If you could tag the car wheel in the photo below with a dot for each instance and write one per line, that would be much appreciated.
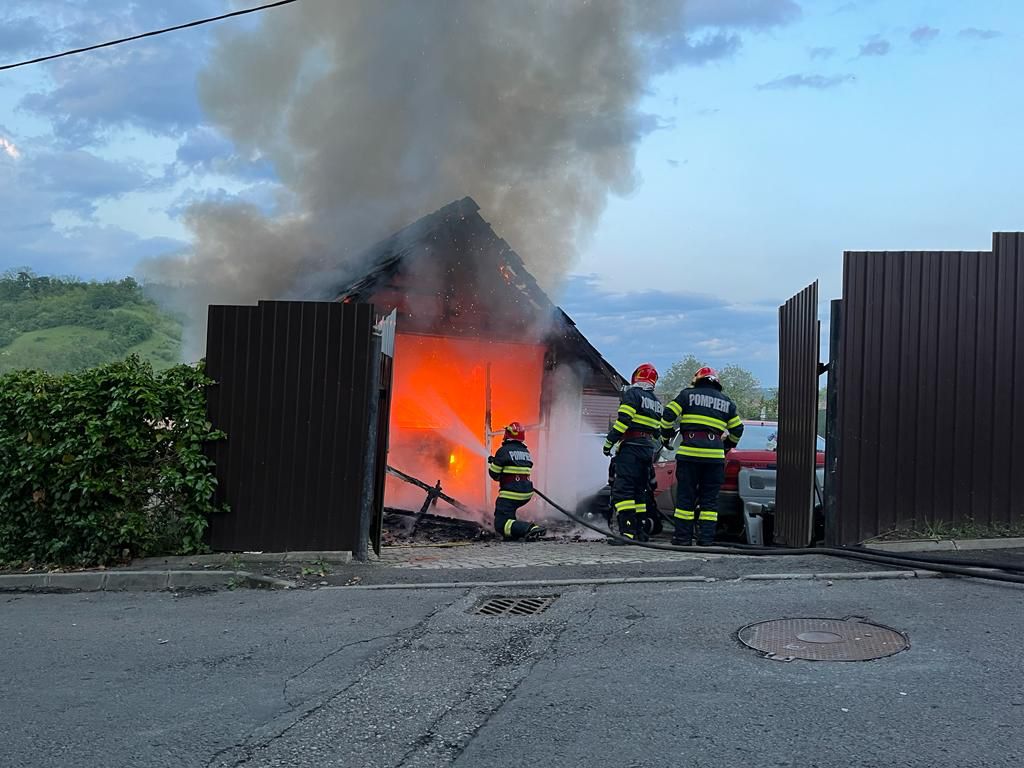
(595, 508)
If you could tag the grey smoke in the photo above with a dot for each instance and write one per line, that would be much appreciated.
(376, 113)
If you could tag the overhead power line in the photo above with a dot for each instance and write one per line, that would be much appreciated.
(154, 33)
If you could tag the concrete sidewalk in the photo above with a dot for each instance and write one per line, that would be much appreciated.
(555, 562)
(947, 545)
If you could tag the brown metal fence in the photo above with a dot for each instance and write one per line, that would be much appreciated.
(798, 418)
(930, 415)
(293, 395)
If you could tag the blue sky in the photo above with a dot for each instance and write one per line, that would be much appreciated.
(793, 131)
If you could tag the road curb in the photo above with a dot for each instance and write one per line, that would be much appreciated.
(137, 581)
(842, 576)
(258, 558)
(611, 581)
(947, 545)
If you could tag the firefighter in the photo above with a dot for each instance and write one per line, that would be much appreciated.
(636, 432)
(710, 428)
(511, 466)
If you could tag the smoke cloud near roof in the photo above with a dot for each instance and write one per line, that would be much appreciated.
(374, 114)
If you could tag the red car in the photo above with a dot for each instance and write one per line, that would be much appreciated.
(756, 450)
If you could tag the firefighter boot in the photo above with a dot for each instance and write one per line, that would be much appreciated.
(706, 533)
(627, 529)
(683, 536)
(535, 532)
(642, 522)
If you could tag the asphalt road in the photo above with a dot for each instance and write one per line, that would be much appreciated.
(624, 676)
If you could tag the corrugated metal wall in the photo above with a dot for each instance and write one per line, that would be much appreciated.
(799, 348)
(930, 410)
(599, 409)
(292, 395)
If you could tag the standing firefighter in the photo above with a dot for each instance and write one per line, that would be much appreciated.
(710, 427)
(637, 432)
(511, 466)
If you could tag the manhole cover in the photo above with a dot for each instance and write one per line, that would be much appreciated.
(851, 639)
(513, 606)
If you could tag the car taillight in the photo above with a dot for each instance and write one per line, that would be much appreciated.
(732, 471)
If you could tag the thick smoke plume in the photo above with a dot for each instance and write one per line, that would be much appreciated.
(376, 113)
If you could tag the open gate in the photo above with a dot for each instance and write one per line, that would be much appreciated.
(799, 349)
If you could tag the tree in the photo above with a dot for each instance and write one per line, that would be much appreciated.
(745, 390)
(678, 376)
(63, 324)
(752, 400)
(770, 405)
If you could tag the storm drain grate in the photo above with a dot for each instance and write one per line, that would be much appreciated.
(850, 639)
(514, 606)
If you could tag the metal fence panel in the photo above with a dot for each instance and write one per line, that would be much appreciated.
(933, 353)
(387, 328)
(799, 348)
(292, 395)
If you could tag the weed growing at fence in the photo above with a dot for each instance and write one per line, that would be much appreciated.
(103, 465)
(968, 528)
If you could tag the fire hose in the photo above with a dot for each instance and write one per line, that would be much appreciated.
(993, 571)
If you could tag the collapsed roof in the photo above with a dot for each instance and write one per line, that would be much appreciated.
(450, 274)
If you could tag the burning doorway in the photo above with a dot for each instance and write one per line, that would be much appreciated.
(450, 393)
(480, 344)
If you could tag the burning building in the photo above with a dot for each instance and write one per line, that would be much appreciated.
(479, 344)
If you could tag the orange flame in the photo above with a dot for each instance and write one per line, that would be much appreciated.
(438, 411)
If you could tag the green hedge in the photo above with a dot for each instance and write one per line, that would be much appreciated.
(105, 464)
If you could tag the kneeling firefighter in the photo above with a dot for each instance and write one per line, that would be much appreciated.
(636, 432)
(512, 466)
(710, 427)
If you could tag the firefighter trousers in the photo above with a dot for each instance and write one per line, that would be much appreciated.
(697, 486)
(505, 522)
(633, 465)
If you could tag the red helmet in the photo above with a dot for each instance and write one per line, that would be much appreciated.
(515, 431)
(707, 374)
(645, 373)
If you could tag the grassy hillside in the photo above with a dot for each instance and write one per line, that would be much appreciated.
(62, 324)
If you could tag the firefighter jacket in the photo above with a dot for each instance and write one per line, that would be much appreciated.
(707, 421)
(639, 417)
(512, 466)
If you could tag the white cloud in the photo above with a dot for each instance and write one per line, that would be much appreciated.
(663, 327)
(10, 149)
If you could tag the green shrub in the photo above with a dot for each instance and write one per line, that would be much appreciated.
(104, 464)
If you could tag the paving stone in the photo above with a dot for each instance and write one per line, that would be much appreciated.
(538, 554)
